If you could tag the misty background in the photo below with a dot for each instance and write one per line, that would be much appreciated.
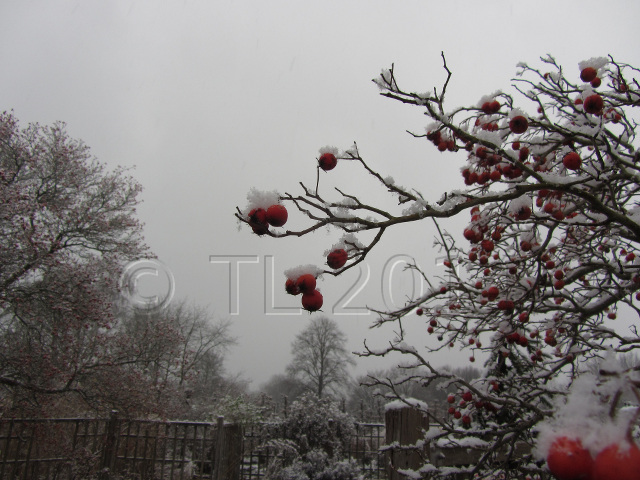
(207, 99)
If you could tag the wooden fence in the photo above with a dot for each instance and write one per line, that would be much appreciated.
(122, 449)
(105, 449)
(115, 448)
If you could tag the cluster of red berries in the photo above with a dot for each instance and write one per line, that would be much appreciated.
(590, 75)
(466, 401)
(260, 218)
(489, 167)
(550, 202)
(442, 142)
(306, 285)
(569, 459)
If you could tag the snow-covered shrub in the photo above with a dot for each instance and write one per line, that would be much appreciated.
(317, 465)
(317, 424)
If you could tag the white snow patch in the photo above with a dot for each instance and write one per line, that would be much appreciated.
(261, 199)
(400, 404)
(295, 272)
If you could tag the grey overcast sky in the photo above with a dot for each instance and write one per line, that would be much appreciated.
(208, 98)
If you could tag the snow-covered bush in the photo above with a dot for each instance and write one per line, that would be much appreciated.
(317, 465)
(543, 280)
(316, 424)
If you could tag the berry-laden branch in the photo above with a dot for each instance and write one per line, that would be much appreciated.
(543, 282)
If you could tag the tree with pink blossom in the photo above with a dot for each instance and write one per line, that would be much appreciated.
(542, 282)
(67, 227)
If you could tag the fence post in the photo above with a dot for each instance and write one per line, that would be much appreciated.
(110, 442)
(405, 427)
(228, 451)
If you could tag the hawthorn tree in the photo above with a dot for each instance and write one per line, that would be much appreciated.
(67, 226)
(544, 279)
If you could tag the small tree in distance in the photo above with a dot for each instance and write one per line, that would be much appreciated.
(539, 281)
(320, 357)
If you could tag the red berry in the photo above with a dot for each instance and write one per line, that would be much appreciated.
(451, 398)
(596, 82)
(558, 274)
(467, 396)
(258, 215)
(306, 283)
(492, 293)
(312, 301)
(487, 245)
(588, 74)
(572, 161)
(327, 161)
(277, 215)
(337, 258)
(258, 221)
(593, 104)
(451, 410)
(617, 462)
(466, 420)
(506, 305)
(518, 124)
(523, 317)
(291, 287)
(569, 460)
(457, 414)
(524, 213)
(419, 312)
(523, 154)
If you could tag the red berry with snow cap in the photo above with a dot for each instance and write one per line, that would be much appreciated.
(306, 283)
(327, 161)
(569, 460)
(518, 124)
(258, 221)
(588, 74)
(523, 213)
(617, 462)
(312, 301)
(593, 104)
(572, 161)
(277, 215)
(291, 287)
(258, 215)
(337, 258)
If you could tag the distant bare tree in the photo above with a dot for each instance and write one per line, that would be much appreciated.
(320, 357)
